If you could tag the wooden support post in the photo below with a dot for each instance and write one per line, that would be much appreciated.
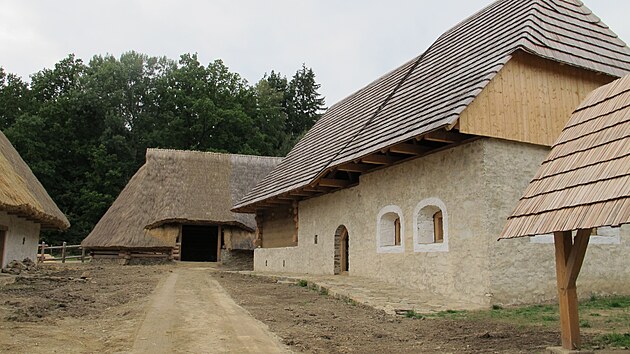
(82, 255)
(42, 258)
(63, 252)
(295, 222)
(569, 258)
(259, 230)
(219, 244)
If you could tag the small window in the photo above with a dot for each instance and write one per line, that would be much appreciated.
(430, 226)
(438, 227)
(397, 232)
(390, 230)
(315, 239)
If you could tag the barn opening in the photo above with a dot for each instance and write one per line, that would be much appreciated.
(200, 243)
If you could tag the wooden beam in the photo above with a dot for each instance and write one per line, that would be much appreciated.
(378, 159)
(278, 201)
(296, 222)
(337, 183)
(317, 189)
(443, 136)
(576, 257)
(409, 149)
(354, 167)
(569, 258)
(286, 197)
(301, 193)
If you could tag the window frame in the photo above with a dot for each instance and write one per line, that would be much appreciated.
(434, 246)
(380, 248)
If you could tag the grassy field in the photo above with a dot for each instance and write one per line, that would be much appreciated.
(604, 321)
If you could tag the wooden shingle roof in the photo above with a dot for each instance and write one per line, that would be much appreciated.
(585, 180)
(430, 91)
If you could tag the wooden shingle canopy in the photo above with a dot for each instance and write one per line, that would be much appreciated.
(414, 109)
(584, 183)
(22, 194)
(585, 180)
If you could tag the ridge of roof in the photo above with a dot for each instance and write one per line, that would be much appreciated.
(160, 151)
(430, 91)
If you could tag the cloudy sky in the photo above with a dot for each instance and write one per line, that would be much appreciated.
(347, 42)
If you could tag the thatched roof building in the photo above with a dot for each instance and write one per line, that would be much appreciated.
(22, 194)
(176, 188)
(583, 184)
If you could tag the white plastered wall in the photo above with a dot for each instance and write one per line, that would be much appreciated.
(523, 270)
(452, 176)
(478, 184)
(22, 237)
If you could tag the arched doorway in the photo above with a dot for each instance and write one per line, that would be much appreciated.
(342, 261)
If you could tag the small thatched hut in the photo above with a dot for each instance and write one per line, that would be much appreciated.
(178, 203)
(25, 207)
(583, 185)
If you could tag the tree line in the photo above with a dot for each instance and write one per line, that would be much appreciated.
(83, 128)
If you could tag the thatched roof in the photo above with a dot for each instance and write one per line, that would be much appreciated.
(585, 180)
(430, 91)
(179, 187)
(22, 194)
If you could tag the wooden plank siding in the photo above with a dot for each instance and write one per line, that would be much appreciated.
(279, 228)
(529, 100)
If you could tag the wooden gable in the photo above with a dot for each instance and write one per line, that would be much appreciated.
(529, 100)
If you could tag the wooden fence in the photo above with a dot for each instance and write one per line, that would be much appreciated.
(42, 256)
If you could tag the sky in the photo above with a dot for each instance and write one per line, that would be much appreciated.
(348, 43)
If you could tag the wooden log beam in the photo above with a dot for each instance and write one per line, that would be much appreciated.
(569, 258)
(354, 167)
(379, 159)
(317, 189)
(409, 149)
(301, 193)
(336, 183)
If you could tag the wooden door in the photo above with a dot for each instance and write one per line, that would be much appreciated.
(344, 245)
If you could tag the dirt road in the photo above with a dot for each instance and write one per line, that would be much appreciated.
(189, 312)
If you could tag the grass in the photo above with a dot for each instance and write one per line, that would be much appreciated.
(303, 283)
(614, 340)
(605, 320)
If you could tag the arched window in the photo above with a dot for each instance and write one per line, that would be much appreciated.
(390, 230)
(430, 229)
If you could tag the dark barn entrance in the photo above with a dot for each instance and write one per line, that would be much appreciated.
(199, 243)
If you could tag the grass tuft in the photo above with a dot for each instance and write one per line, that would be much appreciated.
(303, 283)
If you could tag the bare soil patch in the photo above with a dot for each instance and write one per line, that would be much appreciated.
(75, 308)
(312, 322)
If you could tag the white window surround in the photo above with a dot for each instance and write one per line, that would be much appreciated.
(418, 246)
(605, 236)
(383, 239)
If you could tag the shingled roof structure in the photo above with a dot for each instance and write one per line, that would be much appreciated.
(585, 180)
(429, 92)
(22, 194)
(179, 187)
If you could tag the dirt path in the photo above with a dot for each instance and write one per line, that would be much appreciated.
(189, 312)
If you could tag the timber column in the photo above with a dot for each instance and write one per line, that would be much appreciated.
(295, 222)
(259, 230)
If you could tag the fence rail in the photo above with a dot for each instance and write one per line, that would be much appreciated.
(43, 247)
